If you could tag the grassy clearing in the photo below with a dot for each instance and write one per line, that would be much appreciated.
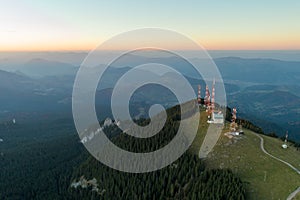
(265, 177)
(291, 155)
(203, 126)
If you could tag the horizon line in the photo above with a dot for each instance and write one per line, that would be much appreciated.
(88, 50)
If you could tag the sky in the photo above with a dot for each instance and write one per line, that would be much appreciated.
(53, 25)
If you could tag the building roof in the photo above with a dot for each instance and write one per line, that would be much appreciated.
(218, 116)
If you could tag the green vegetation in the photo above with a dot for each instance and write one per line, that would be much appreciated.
(40, 171)
(187, 178)
(267, 178)
(264, 177)
(40, 161)
(37, 160)
(291, 154)
(202, 129)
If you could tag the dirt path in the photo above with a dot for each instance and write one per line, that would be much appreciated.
(293, 194)
(263, 149)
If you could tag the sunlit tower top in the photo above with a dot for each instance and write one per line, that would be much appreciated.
(234, 114)
(207, 97)
(233, 124)
(199, 94)
(213, 97)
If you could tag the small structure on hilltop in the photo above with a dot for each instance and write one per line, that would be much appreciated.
(285, 146)
(241, 132)
(217, 117)
(107, 122)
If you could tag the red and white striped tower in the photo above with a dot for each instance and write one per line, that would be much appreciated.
(199, 94)
(207, 97)
(234, 114)
(233, 125)
(213, 97)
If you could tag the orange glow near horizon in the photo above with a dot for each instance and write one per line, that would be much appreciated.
(224, 45)
(252, 42)
(49, 45)
(55, 40)
(209, 43)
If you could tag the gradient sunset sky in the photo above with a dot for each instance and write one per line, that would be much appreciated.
(82, 25)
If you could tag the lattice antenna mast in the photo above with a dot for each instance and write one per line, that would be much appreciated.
(207, 97)
(234, 114)
(213, 97)
(199, 94)
(233, 120)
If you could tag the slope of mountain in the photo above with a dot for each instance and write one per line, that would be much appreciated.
(251, 173)
(264, 176)
(259, 71)
(23, 94)
(41, 68)
(267, 178)
(186, 178)
(15, 82)
(277, 106)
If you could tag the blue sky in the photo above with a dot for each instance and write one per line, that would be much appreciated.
(67, 25)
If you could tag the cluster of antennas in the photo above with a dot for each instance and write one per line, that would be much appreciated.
(209, 104)
(209, 100)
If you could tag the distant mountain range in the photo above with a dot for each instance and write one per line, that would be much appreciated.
(264, 90)
(41, 67)
(273, 105)
(259, 71)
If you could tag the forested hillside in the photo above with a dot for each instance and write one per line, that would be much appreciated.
(187, 178)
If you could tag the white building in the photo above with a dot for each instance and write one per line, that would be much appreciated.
(217, 118)
(107, 122)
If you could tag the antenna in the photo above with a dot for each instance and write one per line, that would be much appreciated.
(233, 120)
(207, 101)
(213, 97)
(207, 96)
(285, 146)
(199, 94)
